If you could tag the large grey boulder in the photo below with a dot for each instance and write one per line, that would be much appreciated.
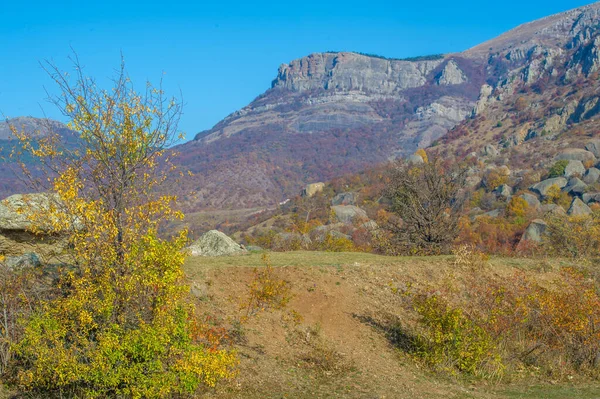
(589, 198)
(490, 150)
(15, 211)
(542, 187)
(578, 208)
(535, 231)
(350, 198)
(574, 168)
(532, 200)
(215, 243)
(594, 147)
(348, 213)
(575, 186)
(591, 176)
(576, 154)
(311, 189)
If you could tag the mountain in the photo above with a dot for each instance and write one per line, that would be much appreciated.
(334, 113)
(328, 114)
(547, 98)
(523, 96)
(10, 176)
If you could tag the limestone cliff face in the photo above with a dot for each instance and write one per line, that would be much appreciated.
(341, 91)
(353, 72)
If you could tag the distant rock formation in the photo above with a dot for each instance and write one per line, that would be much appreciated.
(215, 243)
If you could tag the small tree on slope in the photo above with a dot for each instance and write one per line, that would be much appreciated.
(426, 200)
(122, 325)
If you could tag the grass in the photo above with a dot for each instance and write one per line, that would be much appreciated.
(552, 392)
(307, 258)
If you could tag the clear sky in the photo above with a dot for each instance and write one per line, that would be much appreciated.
(222, 54)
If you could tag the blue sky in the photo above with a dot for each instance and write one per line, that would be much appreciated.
(221, 55)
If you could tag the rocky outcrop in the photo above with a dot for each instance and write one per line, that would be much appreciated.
(575, 186)
(575, 154)
(351, 71)
(578, 208)
(591, 176)
(215, 243)
(574, 168)
(542, 187)
(312, 189)
(350, 198)
(16, 236)
(594, 147)
(451, 75)
(535, 231)
(349, 213)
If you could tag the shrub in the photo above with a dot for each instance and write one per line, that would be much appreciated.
(452, 341)
(558, 169)
(20, 290)
(574, 236)
(496, 177)
(517, 207)
(426, 201)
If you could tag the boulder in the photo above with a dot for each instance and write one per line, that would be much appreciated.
(594, 147)
(490, 150)
(491, 214)
(591, 176)
(576, 154)
(215, 243)
(473, 181)
(312, 189)
(415, 159)
(578, 208)
(553, 210)
(532, 200)
(535, 231)
(349, 198)
(16, 239)
(589, 198)
(504, 191)
(348, 213)
(574, 168)
(575, 186)
(14, 210)
(542, 187)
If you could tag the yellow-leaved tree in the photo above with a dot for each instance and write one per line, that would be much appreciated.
(121, 323)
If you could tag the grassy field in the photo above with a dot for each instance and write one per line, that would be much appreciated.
(336, 337)
(342, 347)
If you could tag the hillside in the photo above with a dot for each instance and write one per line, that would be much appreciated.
(528, 93)
(334, 113)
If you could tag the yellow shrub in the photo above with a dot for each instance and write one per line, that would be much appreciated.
(517, 207)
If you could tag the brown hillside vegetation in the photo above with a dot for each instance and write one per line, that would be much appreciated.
(339, 336)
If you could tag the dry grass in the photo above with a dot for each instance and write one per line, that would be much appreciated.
(351, 347)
